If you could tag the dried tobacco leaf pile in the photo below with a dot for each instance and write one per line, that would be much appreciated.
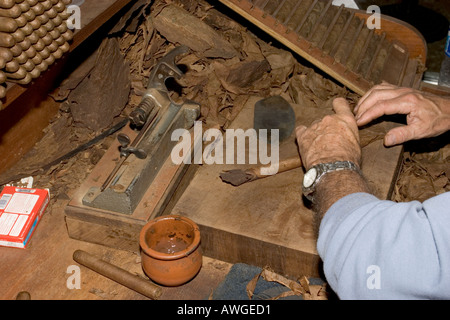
(228, 62)
(425, 170)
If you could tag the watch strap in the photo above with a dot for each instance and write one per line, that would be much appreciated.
(324, 168)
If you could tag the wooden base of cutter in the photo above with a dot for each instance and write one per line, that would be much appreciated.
(119, 230)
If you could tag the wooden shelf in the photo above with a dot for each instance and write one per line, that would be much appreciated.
(94, 13)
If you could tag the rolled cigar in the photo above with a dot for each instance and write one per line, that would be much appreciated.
(35, 73)
(238, 177)
(21, 21)
(28, 65)
(18, 35)
(22, 58)
(30, 15)
(39, 45)
(66, 2)
(41, 31)
(48, 39)
(53, 46)
(118, 275)
(50, 60)
(51, 13)
(33, 37)
(31, 52)
(49, 26)
(35, 23)
(58, 53)
(25, 44)
(62, 28)
(37, 59)
(60, 40)
(6, 4)
(8, 24)
(26, 80)
(59, 7)
(12, 12)
(27, 29)
(3, 63)
(65, 47)
(24, 6)
(16, 50)
(43, 18)
(18, 75)
(6, 40)
(23, 295)
(64, 15)
(55, 34)
(6, 54)
(68, 35)
(54, 2)
(57, 20)
(45, 53)
(47, 4)
(12, 66)
(38, 8)
(2, 92)
(32, 2)
(2, 77)
(42, 67)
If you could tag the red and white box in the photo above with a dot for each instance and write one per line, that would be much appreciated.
(21, 210)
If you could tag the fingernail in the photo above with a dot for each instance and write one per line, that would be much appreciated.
(389, 140)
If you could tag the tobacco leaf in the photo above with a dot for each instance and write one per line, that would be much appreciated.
(179, 26)
(301, 287)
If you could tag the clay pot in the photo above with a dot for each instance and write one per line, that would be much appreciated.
(171, 254)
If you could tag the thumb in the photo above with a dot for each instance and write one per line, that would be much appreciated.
(341, 106)
(398, 135)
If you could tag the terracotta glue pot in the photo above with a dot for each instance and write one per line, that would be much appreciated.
(171, 253)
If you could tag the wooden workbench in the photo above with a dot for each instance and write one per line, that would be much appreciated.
(42, 268)
(266, 222)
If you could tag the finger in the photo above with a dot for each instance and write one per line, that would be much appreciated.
(342, 107)
(384, 92)
(299, 131)
(398, 105)
(382, 86)
(399, 135)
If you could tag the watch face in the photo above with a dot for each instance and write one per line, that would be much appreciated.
(309, 177)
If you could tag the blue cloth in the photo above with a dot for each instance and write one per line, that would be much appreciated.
(379, 249)
(234, 286)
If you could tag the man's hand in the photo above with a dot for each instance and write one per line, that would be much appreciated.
(334, 138)
(427, 115)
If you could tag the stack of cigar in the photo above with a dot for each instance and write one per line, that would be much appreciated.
(33, 34)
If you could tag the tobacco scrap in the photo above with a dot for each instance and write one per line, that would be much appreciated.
(298, 288)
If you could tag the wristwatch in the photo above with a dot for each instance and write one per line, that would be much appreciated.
(314, 174)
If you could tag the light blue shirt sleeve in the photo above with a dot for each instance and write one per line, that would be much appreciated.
(379, 249)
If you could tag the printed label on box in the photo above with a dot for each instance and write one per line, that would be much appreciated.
(22, 203)
(20, 212)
